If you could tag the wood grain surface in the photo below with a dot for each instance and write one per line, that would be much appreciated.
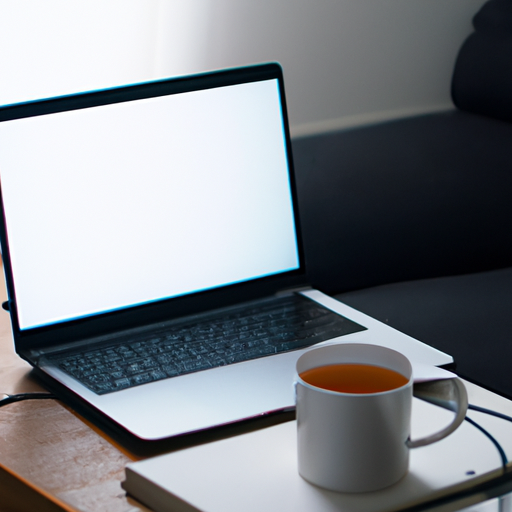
(51, 458)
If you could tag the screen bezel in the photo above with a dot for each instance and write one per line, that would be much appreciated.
(165, 309)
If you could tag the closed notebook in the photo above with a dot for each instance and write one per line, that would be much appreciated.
(258, 471)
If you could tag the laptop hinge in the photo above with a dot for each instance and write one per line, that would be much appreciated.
(290, 291)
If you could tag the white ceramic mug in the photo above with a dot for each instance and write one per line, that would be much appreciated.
(360, 442)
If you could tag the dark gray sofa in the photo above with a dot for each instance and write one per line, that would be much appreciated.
(410, 221)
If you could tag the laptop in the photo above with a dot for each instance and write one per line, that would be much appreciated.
(140, 223)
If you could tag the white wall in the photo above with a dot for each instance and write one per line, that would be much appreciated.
(52, 47)
(345, 61)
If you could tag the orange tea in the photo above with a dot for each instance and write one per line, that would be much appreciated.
(354, 378)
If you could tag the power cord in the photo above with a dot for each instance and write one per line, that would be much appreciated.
(477, 408)
(498, 446)
(489, 411)
(6, 399)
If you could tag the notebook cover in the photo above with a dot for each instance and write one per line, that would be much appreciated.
(258, 471)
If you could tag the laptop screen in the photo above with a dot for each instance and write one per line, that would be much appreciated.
(128, 203)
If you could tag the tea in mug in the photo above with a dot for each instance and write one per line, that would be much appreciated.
(354, 378)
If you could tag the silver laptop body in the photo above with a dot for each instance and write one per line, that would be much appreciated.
(128, 209)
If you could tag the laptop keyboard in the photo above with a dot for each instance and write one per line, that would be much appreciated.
(284, 324)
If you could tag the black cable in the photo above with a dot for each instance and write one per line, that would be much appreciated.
(497, 415)
(491, 413)
(488, 411)
(503, 456)
(9, 399)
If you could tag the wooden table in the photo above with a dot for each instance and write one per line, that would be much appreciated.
(52, 459)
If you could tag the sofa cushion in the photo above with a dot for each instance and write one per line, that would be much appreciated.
(482, 77)
(494, 16)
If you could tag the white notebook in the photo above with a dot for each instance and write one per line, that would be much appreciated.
(258, 471)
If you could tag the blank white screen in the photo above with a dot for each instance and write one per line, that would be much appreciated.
(134, 202)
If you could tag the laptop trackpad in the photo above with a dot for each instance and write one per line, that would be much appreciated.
(199, 400)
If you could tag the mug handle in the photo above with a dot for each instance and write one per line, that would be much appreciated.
(450, 394)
